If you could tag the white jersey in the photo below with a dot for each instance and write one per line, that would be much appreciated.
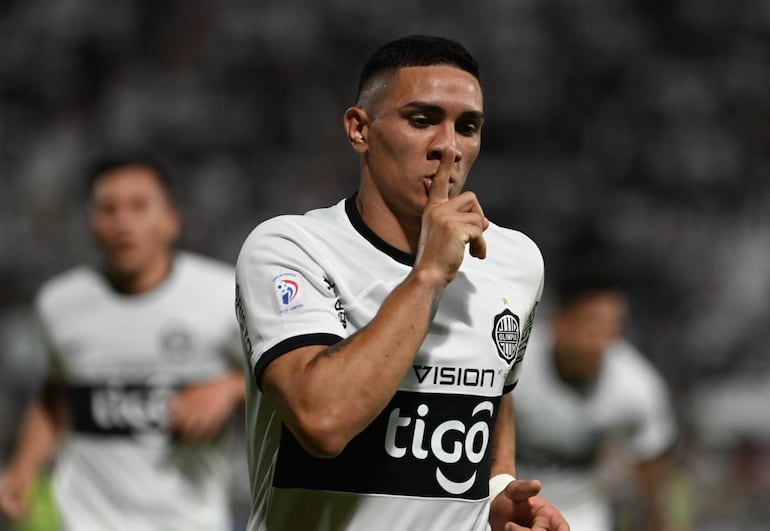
(560, 430)
(424, 462)
(121, 357)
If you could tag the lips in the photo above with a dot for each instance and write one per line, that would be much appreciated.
(124, 247)
(427, 181)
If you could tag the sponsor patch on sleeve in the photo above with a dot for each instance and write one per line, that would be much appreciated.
(288, 291)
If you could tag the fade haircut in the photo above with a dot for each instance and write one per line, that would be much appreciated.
(416, 50)
(114, 160)
(587, 278)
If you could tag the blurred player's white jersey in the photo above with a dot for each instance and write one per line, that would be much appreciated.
(560, 430)
(121, 357)
(424, 462)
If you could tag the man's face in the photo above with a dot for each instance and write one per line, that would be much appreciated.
(585, 329)
(413, 117)
(132, 220)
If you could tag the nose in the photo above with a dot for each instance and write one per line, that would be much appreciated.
(445, 137)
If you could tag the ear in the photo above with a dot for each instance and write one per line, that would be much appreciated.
(356, 123)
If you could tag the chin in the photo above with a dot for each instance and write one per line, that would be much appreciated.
(124, 267)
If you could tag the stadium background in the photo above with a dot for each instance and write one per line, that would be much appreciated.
(640, 126)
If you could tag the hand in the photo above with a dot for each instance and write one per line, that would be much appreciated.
(198, 412)
(449, 224)
(14, 494)
(518, 507)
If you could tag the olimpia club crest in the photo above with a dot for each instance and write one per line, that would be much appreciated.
(506, 334)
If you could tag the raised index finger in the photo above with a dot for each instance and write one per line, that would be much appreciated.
(439, 188)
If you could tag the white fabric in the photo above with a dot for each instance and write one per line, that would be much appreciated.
(498, 483)
(560, 430)
(321, 273)
(129, 352)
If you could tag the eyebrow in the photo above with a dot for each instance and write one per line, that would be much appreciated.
(432, 108)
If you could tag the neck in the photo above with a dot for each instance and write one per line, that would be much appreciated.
(403, 234)
(143, 280)
(567, 372)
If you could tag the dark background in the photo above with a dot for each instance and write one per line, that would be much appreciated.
(637, 127)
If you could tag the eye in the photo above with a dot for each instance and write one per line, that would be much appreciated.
(420, 121)
(468, 128)
(104, 207)
(139, 204)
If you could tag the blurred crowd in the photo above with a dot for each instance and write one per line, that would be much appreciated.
(641, 126)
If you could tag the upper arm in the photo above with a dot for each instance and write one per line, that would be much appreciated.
(285, 300)
(282, 382)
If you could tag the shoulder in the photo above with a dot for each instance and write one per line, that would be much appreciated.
(508, 246)
(72, 287)
(202, 278)
(292, 223)
(277, 227)
(631, 369)
(204, 266)
(293, 229)
(512, 238)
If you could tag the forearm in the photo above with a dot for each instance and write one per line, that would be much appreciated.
(37, 441)
(234, 385)
(329, 395)
(654, 485)
(504, 439)
(198, 412)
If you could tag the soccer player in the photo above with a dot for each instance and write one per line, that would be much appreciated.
(146, 367)
(385, 333)
(583, 387)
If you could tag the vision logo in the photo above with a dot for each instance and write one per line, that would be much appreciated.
(287, 290)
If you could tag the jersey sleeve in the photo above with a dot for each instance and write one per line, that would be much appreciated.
(53, 367)
(526, 330)
(232, 349)
(654, 428)
(284, 298)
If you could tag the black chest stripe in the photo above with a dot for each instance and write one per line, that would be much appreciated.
(115, 410)
(426, 445)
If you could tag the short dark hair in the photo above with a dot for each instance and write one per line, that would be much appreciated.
(587, 277)
(107, 162)
(417, 50)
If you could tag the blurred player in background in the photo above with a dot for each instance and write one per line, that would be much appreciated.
(583, 386)
(385, 333)
(145, 370)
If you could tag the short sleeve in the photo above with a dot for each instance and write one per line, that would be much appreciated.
(231, 347)
(526, 330)
(53, 368)
(654, 428)
(284, 298)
